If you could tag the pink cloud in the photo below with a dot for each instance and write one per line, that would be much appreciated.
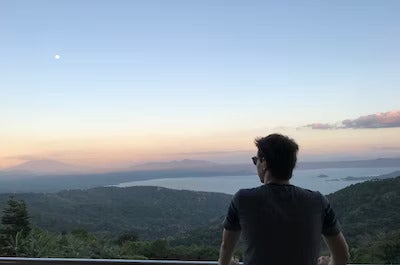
(389, 119)
(379, 120)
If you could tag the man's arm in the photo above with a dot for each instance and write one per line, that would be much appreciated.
(229, 241)
(338, 247)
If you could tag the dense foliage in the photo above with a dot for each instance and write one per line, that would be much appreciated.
(369, 213)
(370, 216)
(81, 244)
(15, 226)
(151, 212)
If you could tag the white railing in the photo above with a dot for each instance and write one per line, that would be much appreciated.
(64, 261)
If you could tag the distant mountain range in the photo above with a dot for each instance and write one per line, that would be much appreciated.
(53, 167)
(45, 167)
(175, 164)
(383, 176)
(51, 176)
(11, 182)
(371, 163)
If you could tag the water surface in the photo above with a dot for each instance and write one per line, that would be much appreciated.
(308, 178)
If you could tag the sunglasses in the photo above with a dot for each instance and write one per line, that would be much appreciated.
(254, 159)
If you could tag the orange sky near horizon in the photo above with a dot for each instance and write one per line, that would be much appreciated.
(123, 149)
(189, 81)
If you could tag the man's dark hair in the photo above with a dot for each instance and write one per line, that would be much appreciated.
(280, 153)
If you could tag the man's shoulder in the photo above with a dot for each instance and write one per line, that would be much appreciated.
(309, 198)
(249, 191)
(247, 195)
(307, 191)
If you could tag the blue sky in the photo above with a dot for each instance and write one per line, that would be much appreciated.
(191, 66)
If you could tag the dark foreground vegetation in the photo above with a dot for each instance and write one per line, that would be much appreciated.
(155, 223)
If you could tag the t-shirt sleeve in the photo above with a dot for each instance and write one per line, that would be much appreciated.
(330, 223)
(232, 221)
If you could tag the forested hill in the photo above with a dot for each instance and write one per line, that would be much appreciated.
(368, 209)
(151, 212)
(369, 213)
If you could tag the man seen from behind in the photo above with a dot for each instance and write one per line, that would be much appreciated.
(281, 224)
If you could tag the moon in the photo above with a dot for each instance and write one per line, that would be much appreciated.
(57, 57)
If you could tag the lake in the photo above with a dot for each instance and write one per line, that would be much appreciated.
(307, 178)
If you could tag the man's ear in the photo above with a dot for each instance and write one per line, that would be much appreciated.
(264, 165)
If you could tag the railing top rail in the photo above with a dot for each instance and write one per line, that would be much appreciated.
(68, 261)
(61, 261)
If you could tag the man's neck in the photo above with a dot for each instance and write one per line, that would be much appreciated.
(272, 180)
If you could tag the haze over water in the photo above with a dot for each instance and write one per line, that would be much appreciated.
(309, 179)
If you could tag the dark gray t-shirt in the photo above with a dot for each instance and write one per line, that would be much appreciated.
(281, 224)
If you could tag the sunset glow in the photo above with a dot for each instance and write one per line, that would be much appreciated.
(129, 83)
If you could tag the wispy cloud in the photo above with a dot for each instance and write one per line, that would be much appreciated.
(389, 119)
(321, 126)
(215, 152)
(386, 148)
(24, 157)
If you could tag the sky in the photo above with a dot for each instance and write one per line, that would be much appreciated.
(114, 83)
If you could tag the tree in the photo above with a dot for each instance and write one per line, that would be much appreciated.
(15, 226)
(389, 248)
(126, 237)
